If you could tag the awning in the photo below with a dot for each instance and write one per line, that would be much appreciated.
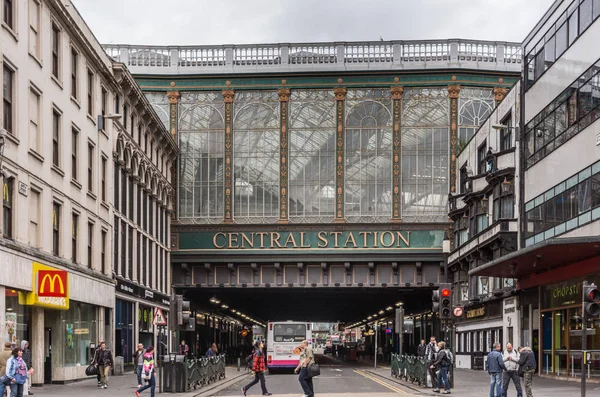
(544, 256)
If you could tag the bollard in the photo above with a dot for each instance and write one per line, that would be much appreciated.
(238, 365)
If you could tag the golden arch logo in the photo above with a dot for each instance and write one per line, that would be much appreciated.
(52, 283)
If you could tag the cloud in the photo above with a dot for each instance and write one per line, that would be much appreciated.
(210, 22)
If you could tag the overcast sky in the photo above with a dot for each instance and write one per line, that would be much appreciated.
(188, 22)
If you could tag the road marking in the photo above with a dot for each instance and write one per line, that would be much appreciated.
(382, 383)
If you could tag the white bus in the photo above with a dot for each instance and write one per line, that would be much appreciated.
(282, 338)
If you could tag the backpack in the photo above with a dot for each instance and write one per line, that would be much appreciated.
(448, 357)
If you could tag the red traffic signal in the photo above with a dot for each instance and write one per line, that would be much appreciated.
(446, 292)
(591, 300)
(445, 307)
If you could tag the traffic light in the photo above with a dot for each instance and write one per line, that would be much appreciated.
(445, 305)
(435, 299)
(184, 312)
(591, 300)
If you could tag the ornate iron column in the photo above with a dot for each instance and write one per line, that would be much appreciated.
(284, 98)
(453, 92)
(173, 102)
(396, 167)
(228, 99)
(340, 98)
(173, 105)
(499, 94)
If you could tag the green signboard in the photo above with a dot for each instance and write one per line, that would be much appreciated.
(385, 240)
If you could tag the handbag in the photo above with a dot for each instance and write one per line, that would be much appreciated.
(313, 370)
(91, 370)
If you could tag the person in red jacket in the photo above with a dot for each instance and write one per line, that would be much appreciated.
(259, 368)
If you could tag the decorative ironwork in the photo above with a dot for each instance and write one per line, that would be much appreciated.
(173, 101)
(340, 97)
(228, 99)
(284, 97)
(453, 92)
(397, 98)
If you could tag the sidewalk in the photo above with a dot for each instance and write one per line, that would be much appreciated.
(126, 384)
(469, 383)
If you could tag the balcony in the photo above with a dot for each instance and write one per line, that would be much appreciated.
(306, 57)
(484, 237)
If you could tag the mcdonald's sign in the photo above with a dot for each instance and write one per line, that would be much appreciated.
(52, 283)
(50, 288)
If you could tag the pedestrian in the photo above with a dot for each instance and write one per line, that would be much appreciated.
(27, 358)
(307, 358)
(258, 369)
(138, 359)
(495, 365)
(442, 363)
(16, 370)
(105, 363)
(212, 351)
(527, 366)
(95, 362)
(430, 355)
(183, 348)
(511, 361)
(380, 354)
(148, 373)
(421, 349)
(4, 357)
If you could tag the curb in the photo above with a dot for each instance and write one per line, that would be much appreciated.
(411, 387)
(207, 392)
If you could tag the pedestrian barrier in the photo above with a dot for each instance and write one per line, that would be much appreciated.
(410, 368)
(181, 374)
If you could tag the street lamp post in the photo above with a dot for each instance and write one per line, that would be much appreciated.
(375, 361)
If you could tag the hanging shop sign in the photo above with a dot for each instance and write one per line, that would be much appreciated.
(50, 288)
(310, 240)
(477, 312)
(128, 288)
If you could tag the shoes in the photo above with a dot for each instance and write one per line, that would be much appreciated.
(30, 393)
(105, 386)
(268, 394)
(436, 390)
(244, 391)
(138, 386)
(446, 392)
(137, 393)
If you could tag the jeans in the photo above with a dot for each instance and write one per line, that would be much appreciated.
(496, 381)
(104, 371)
(138, 372)
(442, 378)
(16, 390)
(150, 385)
(506, 377)
(306, 382)
(258, 376)
(432, 375)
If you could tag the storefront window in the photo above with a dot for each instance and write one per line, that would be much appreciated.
(124, 315)
(17, 319)
(77, 330)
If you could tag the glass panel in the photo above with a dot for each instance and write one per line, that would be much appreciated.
(560, 337)
(368, 168)
(561, 40)
(585, 14)
(312, 156)
(572, 27)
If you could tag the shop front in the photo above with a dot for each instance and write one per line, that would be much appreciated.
(561, 325)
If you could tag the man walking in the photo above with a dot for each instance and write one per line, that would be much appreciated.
(421, 349)
(430, 355)
(527, 368)
(511, 361)
(105, 363)
(138, 358)
(495, 365)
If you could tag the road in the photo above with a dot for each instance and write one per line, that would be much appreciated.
(335, 380)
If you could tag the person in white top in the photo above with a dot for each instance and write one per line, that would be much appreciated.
(511, 360)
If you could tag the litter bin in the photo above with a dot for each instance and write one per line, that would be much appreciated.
(477, 361)
(118, 369)
(174, 373)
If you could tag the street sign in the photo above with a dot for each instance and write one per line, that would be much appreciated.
(159, 317)
(458, 312)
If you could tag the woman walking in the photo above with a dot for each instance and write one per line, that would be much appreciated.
(27, 358)
(258, 367)
(16, 370)
(148, 373)
(307, 358)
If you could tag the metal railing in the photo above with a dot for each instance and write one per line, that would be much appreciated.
(179, 374)
(204, 371)
(451, 53)
(410, 368)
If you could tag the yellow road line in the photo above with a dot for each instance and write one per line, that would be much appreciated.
(379, 381)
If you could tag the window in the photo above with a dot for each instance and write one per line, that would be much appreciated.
(125, 115)
(34, 119)
(104, 105)
(481, 163)
(138, 258)
(103, 179)
(151, 215)
(74, 150)
(116, 245)
(145, 212)
(123, 191)
(461, 230)
(144, 257)
(150, 264)
(74, 66)
(7, 207)
(74, 232)
(130, 254)
(34, 28)
(90, 170)
(464, 176)
(8, 97)
(116, 187)
(117, 104)
(56, 228)
(90, 244)
(130, 199)
(139, 140)
(90, 92)
(132, 124)
(506, 133)
(503, 200)
(103, 251)
(55, 51)
(123, 248)
(34, 218)
(55, 138)
(139, 205)
(9, 14)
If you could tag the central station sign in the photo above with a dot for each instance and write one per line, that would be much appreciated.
(307, 240)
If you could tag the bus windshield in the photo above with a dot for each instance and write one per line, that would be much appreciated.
(289, 332)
